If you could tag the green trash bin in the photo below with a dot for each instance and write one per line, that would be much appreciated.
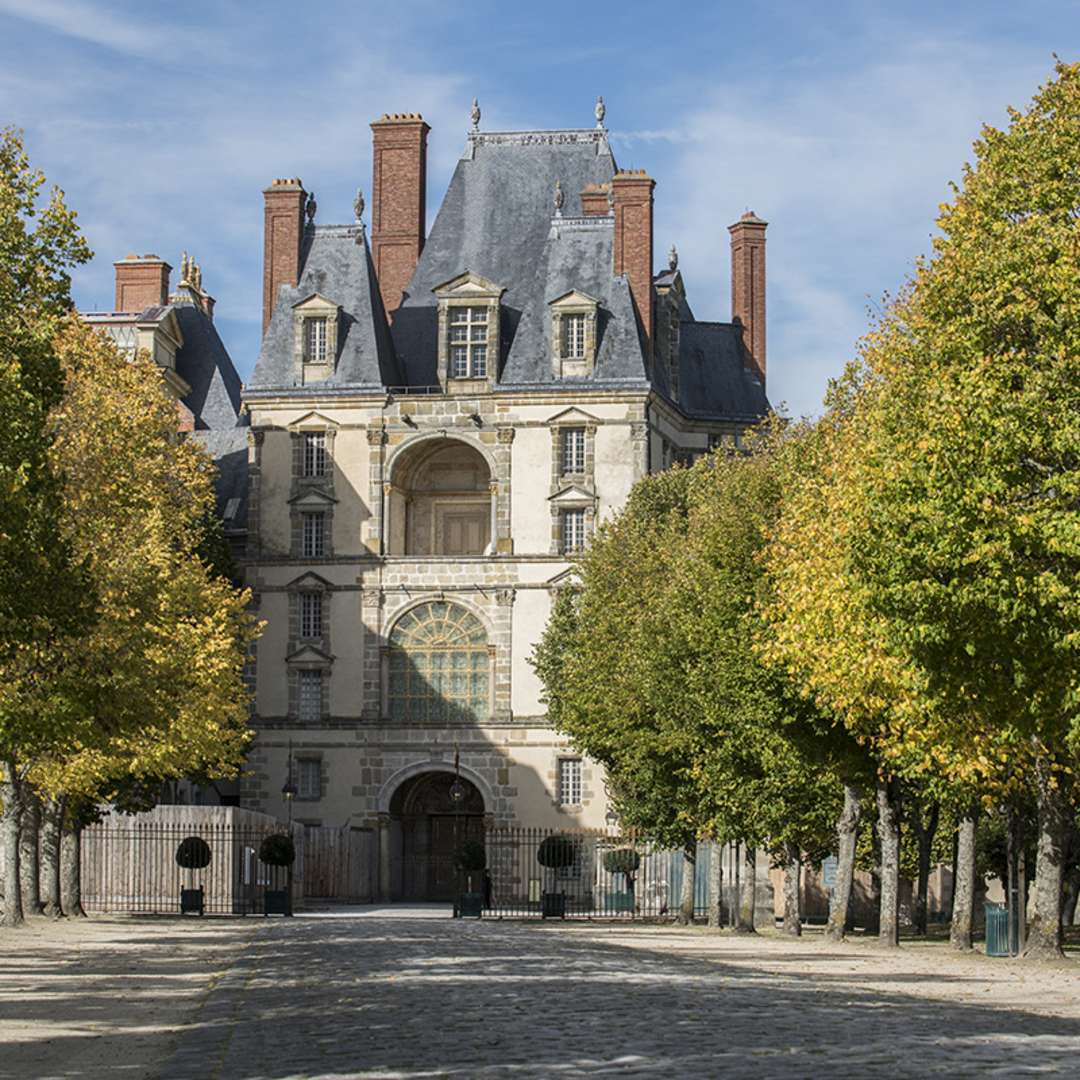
(997, 930)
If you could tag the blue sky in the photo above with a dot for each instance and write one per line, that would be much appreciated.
(839, 123)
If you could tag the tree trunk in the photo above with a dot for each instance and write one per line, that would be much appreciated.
(1072, 894)
(963, 909)
(748, 891)
(1044, 929)
(924, 835)
(847, 830)
(51, 813)
(716, 886)
(71, 871)
(28, 852)
(686, 901)
(792, 897)
(9, 837)
(889, 832)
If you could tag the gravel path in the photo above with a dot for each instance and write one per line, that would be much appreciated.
(385, 996)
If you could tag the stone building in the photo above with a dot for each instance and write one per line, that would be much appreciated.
(437, 423)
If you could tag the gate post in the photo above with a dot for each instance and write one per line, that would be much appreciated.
(384, 858)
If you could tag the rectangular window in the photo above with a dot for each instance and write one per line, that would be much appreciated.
(314, 453)
(314, 535)
(315, 341)
(573, 531)
(309, 700)
(308, 778)
(573, 450)
(468, 342)
(311, 615)
(573, 337)
(569, 781)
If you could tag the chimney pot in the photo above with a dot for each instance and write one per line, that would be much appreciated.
(141, 282)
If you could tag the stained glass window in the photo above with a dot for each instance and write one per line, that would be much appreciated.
(439, 665)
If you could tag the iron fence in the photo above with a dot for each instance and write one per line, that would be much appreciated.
(154, 868)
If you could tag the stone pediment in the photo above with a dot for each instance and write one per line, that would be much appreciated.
(309, 580)
(572, 495)
(468, 284)
(565, 579)
(309, 654)
(314, 302)
(575, 298)
(312, 499)
(573, 416)
(314, 420)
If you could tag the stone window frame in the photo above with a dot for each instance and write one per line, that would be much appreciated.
(560, 784)
(315, 306)
(309, 658)
(559, 478)
(312, 502)
(472, 291)
(311, 757)
(307, 584)
(312, 424)
(572, 499)
(573, 303)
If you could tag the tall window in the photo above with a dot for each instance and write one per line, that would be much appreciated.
(315, 341)
(311, 615)
(573, 531)
(439, 665)
(468, 342)
(308, 778)
(314, 453)
(314, 539)
(573, 450)
(310, 697)
(569, 781)
(573, 337)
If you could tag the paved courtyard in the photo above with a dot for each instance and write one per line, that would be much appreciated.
(382, 995)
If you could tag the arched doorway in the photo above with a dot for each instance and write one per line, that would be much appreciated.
(440, 501)
(431, 826)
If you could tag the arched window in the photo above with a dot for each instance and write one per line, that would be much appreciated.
(439, 666)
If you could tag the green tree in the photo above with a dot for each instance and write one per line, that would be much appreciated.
(43, 595)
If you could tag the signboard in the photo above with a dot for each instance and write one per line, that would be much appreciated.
(828, 871)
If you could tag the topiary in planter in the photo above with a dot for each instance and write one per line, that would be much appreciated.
(622, 861)
(193, 853)
(277, 849)
(557, 852)
(470, 857)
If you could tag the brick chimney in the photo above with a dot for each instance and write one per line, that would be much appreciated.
(748, 288)
(632, 192)
(283, 233)
(398, 201)
(594, 200)
(141, 283)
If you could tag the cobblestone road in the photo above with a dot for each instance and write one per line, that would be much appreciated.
(323, 998)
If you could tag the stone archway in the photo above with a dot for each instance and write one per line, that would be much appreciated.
(427, 825)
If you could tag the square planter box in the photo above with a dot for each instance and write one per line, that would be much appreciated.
(553, 905)
(192, 902)
(470, 905)
(276, 902)
(619, 901)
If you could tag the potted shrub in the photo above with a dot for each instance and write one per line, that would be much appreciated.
(625, 861)
(192, 854)
(555, 853)
(470, 861)
(278, 849)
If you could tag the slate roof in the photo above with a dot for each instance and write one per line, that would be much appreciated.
(498, 220)
(336, 263)
(204, 363)
(229, 449)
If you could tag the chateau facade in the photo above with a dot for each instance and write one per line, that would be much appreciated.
(435, 425)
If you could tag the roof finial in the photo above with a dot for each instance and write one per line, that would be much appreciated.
(600, 112)
(673, 259)
(311, 207)
(560, 198)
(185, 268)
(358, 205)
(475, 115)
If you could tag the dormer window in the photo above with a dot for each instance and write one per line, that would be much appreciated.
(468, 333)
(315, 325)
(573, 335)
(468, 342)
(315, 340)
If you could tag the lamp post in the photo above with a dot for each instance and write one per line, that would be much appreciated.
(288, 789)
(457, 794)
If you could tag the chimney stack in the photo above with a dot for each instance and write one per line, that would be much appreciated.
(398, 201)
(141, 283)
(283, 233)
(748, 288)
(632, 194)
(594, 200)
